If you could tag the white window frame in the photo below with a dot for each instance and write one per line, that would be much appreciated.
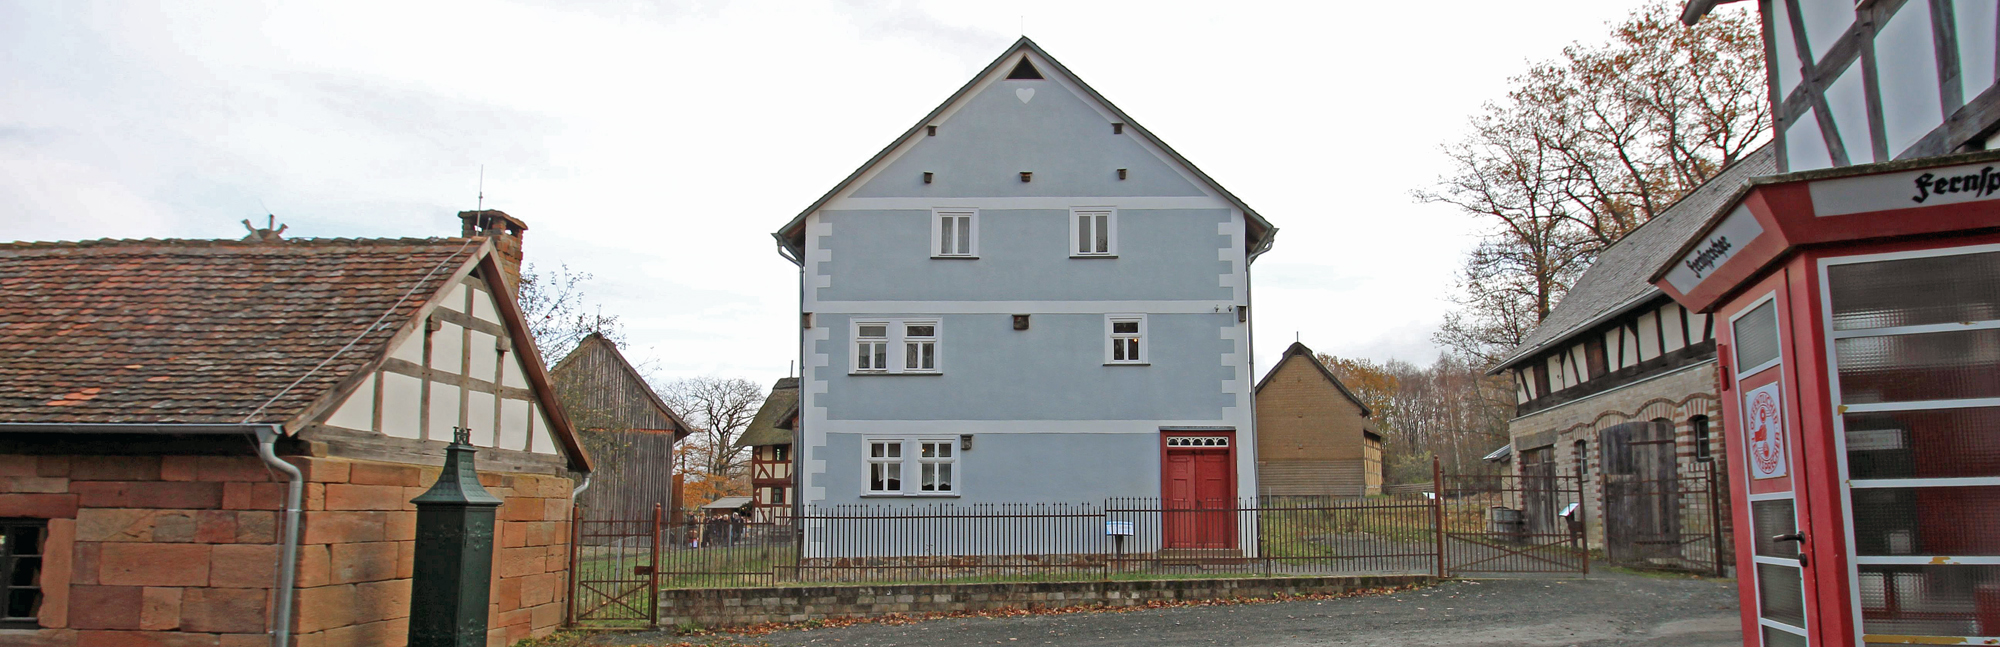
(1112, 339)
(896, 341)
(951, 446)
(899, 462)
(886, 341)
(1075, 242)
(913, 347)
(970, 219)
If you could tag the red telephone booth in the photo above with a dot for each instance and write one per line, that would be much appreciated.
(1858, 320)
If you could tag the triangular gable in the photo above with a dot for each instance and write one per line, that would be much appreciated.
(598, 343)
(1299, 351)
(791, 238)
(522, 343)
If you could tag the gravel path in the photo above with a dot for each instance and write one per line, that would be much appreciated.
(1600, 611)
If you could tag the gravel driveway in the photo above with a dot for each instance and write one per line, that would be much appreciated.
(1600, 611)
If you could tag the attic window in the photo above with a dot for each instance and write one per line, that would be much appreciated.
(1025, 70)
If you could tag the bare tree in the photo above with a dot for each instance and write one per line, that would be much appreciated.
(719, 409)
(1586, 148)
(553, 304)
(1450, 409)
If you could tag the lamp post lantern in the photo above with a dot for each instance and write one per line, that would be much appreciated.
(454, 554)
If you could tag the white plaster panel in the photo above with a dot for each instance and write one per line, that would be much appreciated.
(1825, 22)
(402, 405)
(513, 424)
(1906, 73)
(1649, 336)
(358, 412)
(543, 442)
(455, 299)
(444, 411)
(479, 417)
(1976, 21)
(1579, 370)
(1611, 349)
(1558, 378)
(483, 307)
(1805, 150)
(1697, 324)
(1631, 348)
(1670, 321)
(411, 349)
(447, 346)
(485, 356)
(514, 375)
(1848, 102)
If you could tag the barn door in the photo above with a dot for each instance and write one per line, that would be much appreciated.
(1642, 494)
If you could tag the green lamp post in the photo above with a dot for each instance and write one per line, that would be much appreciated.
(454, 554)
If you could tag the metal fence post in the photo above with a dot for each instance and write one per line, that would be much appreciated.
(1714, 519)
(653, 577)
(575, 563)
(1437, 510)
(1582, 527)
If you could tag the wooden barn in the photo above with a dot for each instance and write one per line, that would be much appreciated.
(1314, 437)
(626, 426)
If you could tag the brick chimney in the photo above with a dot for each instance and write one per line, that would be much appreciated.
(505, 230)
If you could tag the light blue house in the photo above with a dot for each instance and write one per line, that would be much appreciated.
(1026, 298)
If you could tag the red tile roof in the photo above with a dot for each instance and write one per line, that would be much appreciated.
(202, 331)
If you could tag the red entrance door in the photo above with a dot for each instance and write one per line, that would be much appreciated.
(1198, 484)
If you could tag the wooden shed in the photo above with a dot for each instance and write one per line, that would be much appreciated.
(626, 426)
(1314, 437)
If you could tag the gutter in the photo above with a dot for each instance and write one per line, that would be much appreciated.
(267, 437)
(580, 487)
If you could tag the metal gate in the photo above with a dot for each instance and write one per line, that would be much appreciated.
(614, 581)
(1530, 522)
(1657, 514)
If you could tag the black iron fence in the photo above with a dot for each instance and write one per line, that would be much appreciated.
(1460, 524)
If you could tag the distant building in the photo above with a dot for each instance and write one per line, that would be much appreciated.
(1026, 297)
(626, 426)
(141, 379)
(769, 438)
(1314, 437)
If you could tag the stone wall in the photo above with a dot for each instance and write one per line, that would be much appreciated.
(1677, 395)
(182, 550)
(730, 607)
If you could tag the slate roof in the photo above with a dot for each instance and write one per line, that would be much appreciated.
(202, 331)
(778, 407)
(1617, 281)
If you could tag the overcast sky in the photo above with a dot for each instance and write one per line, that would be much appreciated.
(657, 145)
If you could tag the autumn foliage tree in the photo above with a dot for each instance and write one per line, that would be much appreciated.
(1587, 147)
(1450, 409)
(719, 409)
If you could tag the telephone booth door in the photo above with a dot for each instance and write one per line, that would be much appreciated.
(1760, 375)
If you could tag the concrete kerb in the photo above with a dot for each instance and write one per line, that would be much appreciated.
(731, 607)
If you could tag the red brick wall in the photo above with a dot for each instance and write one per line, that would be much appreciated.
(181, 550)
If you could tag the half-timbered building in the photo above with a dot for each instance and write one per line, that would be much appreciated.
(769, 438)
(1619, 377)
(206, 440)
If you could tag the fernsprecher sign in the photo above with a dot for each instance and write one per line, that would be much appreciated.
(1925, 188)
(1717, 248)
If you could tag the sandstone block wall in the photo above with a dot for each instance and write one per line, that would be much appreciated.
(182, 550)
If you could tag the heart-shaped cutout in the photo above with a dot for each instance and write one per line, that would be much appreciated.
(1025, 94)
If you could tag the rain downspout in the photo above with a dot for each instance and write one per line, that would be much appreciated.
(580, 487)
(288, 557)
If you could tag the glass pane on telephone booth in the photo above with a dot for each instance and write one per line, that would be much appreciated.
(1917, 359)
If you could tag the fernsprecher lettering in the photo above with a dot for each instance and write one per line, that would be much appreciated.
(1705, 261)
(1983, 183)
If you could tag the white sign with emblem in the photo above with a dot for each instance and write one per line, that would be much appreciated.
(1717, 248)
(1118, 528)
(1764, 423)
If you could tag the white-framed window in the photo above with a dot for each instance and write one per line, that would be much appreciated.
(1125, 339)
(937, 466)
(871, 346)
(954, 233)
(898, 346)
(1093, 231)
(920, 346)
(885, 467)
